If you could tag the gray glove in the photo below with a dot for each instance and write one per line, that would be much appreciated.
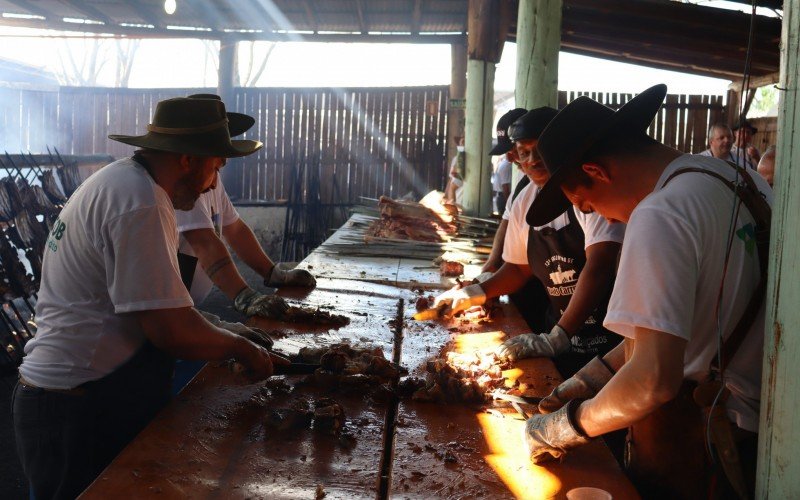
(251, 303)
(283, 274)
(532, 345)
(483, 276)
(585, 384)
(254, 335)
(550, 436)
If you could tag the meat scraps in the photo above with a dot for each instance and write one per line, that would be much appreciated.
(457, 377)
(408, 220)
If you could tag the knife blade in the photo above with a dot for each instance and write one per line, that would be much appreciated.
(432, 313)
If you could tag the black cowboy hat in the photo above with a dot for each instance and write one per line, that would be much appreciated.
(531, 124)
(238, 123)
(574, 131)
(197, 127)
(504, 144)
(745, 124)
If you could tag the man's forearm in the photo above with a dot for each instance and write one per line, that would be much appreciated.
(495, 259)
(593, 285)
(216, 261)
(242, 240)
(508, 279)
(651, 378)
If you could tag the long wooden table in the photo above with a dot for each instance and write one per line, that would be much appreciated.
(213, 441)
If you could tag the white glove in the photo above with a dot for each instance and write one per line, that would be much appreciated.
(585, 384)
(483, 276)
(254, 335)
(532, 345)
(461, 299)
(283, 274)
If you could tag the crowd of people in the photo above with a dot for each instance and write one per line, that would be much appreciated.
(619, 250)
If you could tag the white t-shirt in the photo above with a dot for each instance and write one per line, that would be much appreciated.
(111, 251)
(515, 248)
(670, 272)
(502, 174)
(736, 156)
(213, 210)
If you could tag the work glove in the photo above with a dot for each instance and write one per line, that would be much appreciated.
(461, 299)
(254, 335)
(251, 303)
(585, 384)
(550, 436)
(483, 276)
(283, 274)
(532, 345)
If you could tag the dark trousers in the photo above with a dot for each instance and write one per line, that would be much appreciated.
(66, 439)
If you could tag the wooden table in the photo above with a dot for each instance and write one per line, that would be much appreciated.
(212, 440)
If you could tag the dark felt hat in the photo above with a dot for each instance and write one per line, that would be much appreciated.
(531, 124)
(745, 124)
(504, 144)
(582, 124)
(197, 127)
(238, 123)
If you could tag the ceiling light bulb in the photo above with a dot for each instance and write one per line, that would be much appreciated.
(170, 6)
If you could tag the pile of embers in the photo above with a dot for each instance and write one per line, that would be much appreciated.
(456, 378)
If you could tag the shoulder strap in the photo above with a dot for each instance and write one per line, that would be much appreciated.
(751, 197)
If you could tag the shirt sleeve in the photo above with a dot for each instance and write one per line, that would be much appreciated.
(597, 229)
(658, 276)
(198, 217)
(229, 213)
(515, 246)
(504, 174)
(140, 253)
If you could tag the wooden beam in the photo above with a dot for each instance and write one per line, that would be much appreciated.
(779, 425)
(207, 12)
(313, 22)
(757, 82)
(145, 12)
(32, 9)
(416, 17)
(90, 11)
(362, 18)
(538, 45)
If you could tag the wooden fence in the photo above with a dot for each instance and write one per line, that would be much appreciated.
(335, 145)
(352, 142)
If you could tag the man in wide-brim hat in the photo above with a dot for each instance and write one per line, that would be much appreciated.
(112, 312)
(691, 273)
(204, 257)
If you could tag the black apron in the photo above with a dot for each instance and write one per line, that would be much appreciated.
(556, 258)
(530, 300)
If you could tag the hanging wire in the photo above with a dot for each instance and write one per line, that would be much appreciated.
(735, 209)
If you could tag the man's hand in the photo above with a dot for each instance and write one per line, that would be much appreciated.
(251, 303)
(258, 363)
(461, 299)
(283, 275)
(532, 345)
(585, 384)
(254, 335)
(550, 436)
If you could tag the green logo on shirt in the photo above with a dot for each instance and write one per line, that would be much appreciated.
(56, 234)
(747, 233)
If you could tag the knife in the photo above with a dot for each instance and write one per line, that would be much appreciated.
(432, 313)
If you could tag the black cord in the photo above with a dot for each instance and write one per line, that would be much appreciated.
(735, 209)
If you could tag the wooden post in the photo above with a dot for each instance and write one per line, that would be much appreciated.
(487, 26)
(225, 88)
(458, 87)
(779, 430)
(538, 43)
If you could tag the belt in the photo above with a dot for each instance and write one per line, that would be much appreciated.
(77, 391)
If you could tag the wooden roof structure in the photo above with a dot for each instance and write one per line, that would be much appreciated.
(665, 34)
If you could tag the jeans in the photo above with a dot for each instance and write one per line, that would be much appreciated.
(65, 440)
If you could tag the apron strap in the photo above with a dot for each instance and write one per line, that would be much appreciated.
(751, 197)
